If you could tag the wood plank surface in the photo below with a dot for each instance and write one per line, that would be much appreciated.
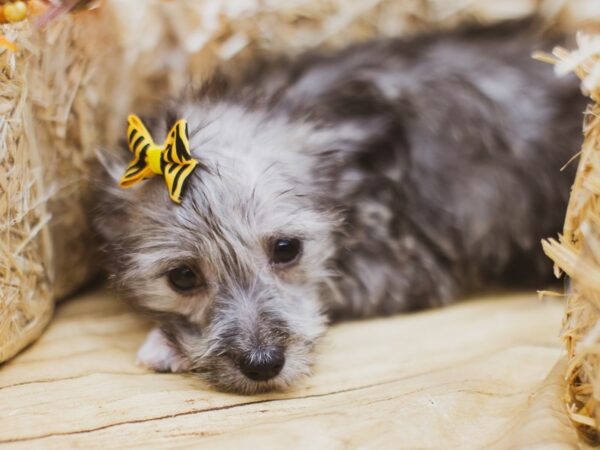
(468, 376)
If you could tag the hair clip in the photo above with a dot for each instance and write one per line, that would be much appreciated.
(173, 160)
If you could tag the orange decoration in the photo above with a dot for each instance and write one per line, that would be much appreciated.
(15, 12)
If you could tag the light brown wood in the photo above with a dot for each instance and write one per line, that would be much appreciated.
(468, 376)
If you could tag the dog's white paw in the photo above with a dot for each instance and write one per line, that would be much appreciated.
(158, 354)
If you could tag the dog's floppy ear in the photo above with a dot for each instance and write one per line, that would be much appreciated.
(112, 164)
(110, 202)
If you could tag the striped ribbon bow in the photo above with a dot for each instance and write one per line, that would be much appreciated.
(173, 160)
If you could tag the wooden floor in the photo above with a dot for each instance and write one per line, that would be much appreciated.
(468, 376)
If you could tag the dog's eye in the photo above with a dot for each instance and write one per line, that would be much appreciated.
(286, 250)
(183, 279)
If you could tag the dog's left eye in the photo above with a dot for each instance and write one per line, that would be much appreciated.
(183, 279)
(286, 251)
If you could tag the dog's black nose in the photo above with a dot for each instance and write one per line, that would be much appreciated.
(262, 365)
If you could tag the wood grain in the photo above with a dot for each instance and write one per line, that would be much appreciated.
(468, 376)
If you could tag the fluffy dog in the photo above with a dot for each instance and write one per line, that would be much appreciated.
(387, 177)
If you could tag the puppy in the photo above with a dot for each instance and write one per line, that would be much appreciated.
(387, 177)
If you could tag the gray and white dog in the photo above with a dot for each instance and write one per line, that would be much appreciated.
(388, 177)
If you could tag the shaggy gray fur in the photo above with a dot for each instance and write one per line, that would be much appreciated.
(413, 171)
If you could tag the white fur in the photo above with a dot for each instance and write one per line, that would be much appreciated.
(156, 353)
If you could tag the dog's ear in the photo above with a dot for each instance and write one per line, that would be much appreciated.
(111, 164)
(110, 202)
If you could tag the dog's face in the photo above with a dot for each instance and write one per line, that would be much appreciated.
(233, 274)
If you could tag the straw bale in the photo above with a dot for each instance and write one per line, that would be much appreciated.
(50, 92)
(25, 247)
(577, 251)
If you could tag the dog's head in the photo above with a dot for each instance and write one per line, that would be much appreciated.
(233, 273)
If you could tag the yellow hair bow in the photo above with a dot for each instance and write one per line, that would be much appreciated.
(173, 160)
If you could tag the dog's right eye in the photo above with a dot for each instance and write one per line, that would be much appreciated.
(183, 279)
(286, 251)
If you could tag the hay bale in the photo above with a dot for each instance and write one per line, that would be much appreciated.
(577, 252)
(46, 123)
(25, 244)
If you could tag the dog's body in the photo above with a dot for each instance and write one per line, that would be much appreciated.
(392, 176)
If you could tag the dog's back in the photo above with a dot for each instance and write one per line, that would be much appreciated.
(458, 174)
